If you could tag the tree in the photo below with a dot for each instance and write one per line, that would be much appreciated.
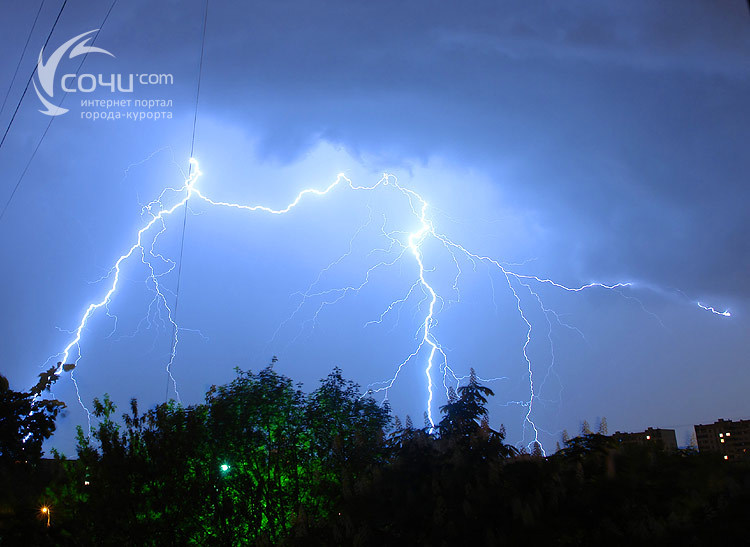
(465, 410)
(347, 432)
(256, 459)
(259, 430)
(536, 450)
(465, 422)
(261, 462)
(26, 419)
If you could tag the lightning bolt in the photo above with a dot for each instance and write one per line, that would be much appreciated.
(401, 243)
(724, 313)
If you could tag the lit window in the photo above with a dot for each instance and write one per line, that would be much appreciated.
(726, 457)
(722, 440)
(648, 437)
(728, 434)
(721, 434)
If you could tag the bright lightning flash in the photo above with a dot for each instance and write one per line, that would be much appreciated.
(409, 244)
(725, 313)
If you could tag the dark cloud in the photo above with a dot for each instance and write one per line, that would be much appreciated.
(625, 121)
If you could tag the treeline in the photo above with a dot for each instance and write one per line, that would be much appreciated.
(261, 462)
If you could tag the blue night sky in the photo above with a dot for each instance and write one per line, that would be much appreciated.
(584, 141)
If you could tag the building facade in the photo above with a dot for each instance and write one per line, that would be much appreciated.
(666, 439)
(729, 438)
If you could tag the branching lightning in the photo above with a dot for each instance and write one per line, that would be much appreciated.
(405, 245)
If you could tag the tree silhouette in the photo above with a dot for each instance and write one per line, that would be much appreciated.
(26, 419)
(465, 410)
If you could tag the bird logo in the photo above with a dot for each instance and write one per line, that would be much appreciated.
(46, 71)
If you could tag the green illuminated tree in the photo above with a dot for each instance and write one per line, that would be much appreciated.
(257, 425)
(347, 431)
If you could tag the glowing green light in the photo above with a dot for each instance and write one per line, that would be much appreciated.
(224, 468)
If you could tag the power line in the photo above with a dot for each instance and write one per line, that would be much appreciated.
(184, 218)
(52, 118)
(31, 76)
(23, 54)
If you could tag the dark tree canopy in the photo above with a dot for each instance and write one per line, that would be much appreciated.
(262, 462)
(26, 419)
(464, 412)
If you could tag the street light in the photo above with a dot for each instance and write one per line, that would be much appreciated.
(45, 511)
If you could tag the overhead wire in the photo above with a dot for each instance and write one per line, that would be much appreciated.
(31, 76)
(23, 54)
(184, 218)
(52, 118)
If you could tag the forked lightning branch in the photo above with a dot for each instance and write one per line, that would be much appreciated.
(428, 354)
